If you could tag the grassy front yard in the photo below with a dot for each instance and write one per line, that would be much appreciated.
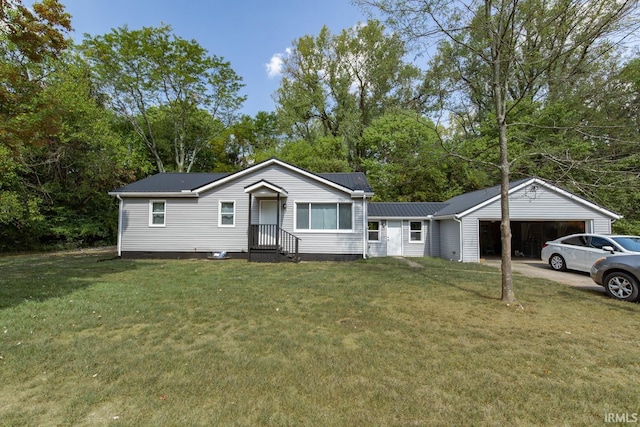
(360, 343)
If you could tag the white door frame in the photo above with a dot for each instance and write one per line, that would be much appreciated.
(394, 238)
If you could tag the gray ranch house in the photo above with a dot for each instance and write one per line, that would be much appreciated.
(270, 211)
(275, 211)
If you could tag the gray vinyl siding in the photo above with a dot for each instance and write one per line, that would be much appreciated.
(434, 229)
(544, 205)
(409, 249)
(414, 249)
(378, 248)
(192, 224)
(449, 239)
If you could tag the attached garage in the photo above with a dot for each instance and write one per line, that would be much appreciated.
(539, 212)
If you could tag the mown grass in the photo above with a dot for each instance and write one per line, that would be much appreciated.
(373, 342)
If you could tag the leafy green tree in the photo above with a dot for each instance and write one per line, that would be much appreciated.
(150, 70)
(248, 139)
(335, 85)
(405, 161)
(503, 54)
(31, 38)
(66, 177)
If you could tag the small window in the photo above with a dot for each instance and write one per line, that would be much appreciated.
(374, 231)
(227, 214)
(416, 231)
(157, 213)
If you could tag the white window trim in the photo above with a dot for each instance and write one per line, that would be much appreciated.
(220, 224)
(421, 232)
(164, 213)
(319, 202)
(379, 232)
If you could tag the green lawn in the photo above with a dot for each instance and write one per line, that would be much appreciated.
(368, 343)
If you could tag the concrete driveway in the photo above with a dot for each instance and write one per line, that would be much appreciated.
(537, 268)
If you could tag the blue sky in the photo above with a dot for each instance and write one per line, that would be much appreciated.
(250, 34)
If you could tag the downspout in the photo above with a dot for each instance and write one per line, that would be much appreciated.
(431, 236)
(455, 218)
(365, 224)
(119, 225)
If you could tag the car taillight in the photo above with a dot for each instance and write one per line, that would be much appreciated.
(544, 245)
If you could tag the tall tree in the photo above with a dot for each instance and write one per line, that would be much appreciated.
(335, 85)
(406, 162)
(31, 38)
(142, 70)
(516, 45)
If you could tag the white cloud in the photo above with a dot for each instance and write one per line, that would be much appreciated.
(274, 66)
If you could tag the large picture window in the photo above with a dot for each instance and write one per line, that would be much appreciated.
(227, 217)
(157, 213)
(324, 216)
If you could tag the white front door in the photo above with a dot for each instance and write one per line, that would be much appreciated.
(394, 238)
(268, 215)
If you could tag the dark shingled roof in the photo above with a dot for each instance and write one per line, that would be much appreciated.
(352, 180)
(176, 182)
(171, 182)
(404, 209)
(466, 201)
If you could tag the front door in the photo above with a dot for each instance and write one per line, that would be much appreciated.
(394, 238)
(268, 216)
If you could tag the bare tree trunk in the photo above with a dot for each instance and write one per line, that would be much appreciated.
(508, 295)
(500, 63)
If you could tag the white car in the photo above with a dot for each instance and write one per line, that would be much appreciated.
(580, 251)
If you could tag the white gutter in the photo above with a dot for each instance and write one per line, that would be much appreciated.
(456, 219)
(119, 225)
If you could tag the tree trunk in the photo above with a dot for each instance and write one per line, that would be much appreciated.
(508, 294)
(500, 66)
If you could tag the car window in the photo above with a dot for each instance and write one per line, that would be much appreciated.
(630, 243)
(576, 241)
(599, 242)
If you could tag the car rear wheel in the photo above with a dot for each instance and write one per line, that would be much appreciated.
(622, 286)
(557, 262)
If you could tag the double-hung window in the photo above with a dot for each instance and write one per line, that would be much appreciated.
(374, 231)
(227, 216)
(416, 231)
(324, 216)
(157, 213)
